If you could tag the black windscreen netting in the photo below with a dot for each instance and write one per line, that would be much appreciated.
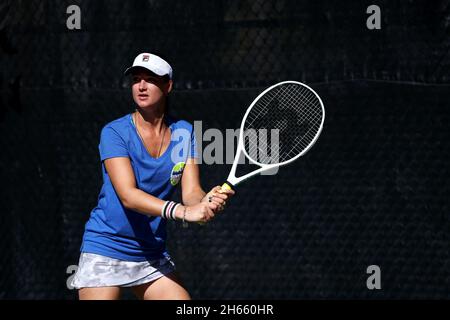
(372, 191)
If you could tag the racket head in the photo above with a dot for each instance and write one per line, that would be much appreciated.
(292, 108)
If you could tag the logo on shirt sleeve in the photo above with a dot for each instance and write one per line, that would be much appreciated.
(177, 172)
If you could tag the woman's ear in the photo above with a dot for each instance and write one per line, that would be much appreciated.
(169, 86)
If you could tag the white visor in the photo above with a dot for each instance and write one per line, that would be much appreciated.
(152, 63)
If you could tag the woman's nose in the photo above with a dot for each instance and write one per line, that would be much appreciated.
(142, 85)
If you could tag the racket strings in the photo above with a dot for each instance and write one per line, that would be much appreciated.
(292, 113)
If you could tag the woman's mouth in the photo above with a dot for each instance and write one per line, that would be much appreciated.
(143, 96)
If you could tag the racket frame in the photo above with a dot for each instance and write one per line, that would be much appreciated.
(232, 180)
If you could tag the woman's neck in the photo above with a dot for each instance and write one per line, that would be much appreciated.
(152, 119)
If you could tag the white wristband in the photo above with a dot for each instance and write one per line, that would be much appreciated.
(163, 210)
(168, 210)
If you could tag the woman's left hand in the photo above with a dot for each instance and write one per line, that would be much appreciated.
(218, 198)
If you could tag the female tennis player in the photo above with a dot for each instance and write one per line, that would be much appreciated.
(145, 155)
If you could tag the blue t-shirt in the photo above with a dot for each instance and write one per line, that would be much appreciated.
(117, 232)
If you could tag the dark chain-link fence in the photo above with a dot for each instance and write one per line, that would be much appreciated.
(372, 191)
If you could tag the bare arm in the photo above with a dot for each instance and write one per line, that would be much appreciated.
(191, 190)
(124, 182)
(122, 177)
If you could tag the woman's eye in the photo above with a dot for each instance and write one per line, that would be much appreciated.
(148, 80)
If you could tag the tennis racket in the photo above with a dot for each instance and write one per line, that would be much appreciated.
(294, 115)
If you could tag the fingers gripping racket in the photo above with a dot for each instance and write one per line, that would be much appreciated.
(280, 126)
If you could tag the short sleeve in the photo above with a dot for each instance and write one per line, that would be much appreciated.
(112, 144)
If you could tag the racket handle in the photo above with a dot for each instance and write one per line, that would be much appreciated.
(227, 186)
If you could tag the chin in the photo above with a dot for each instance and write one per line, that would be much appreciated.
(143, 104)
(146, 104)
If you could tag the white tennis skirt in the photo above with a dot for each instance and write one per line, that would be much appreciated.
(99, 271)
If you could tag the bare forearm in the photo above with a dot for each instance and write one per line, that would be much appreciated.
(142, 202)
(193, 197)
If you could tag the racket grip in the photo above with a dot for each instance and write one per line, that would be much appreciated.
(227, 186)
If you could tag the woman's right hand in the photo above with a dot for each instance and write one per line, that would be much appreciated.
(200, 212)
